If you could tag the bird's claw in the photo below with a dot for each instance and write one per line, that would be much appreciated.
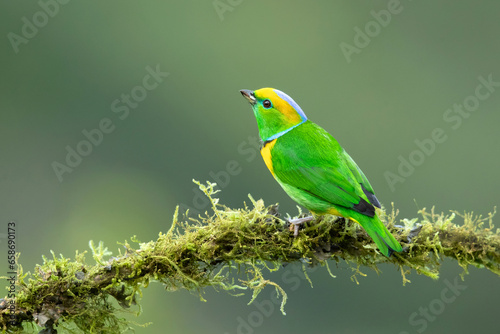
(295, 224)
(414, 232)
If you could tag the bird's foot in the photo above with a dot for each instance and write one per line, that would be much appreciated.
(295, 224)
(413, 232)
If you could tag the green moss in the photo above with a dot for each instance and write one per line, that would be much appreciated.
(74, 296)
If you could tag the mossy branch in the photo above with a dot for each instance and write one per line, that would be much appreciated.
(210, 250)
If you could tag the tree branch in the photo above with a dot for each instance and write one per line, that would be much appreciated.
(73, 295)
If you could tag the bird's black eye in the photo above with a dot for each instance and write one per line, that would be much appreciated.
(267, 104)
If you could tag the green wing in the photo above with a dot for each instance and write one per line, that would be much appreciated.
(314, 169)
(362, 180)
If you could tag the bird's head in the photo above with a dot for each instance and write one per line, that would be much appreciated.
(275, 111)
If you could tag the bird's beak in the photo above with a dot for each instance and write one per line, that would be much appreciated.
(248, 94)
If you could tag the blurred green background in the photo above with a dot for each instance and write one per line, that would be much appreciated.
(65, 76)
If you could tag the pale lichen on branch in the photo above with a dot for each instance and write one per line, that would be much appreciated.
(210, 250)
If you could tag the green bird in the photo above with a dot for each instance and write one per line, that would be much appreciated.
(312, 168)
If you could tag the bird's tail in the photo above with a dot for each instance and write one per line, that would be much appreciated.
(384, 240)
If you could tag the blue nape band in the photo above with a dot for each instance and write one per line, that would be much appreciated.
(279, 134)
(291, 102)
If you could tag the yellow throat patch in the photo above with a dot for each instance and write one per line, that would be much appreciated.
(265, 151)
